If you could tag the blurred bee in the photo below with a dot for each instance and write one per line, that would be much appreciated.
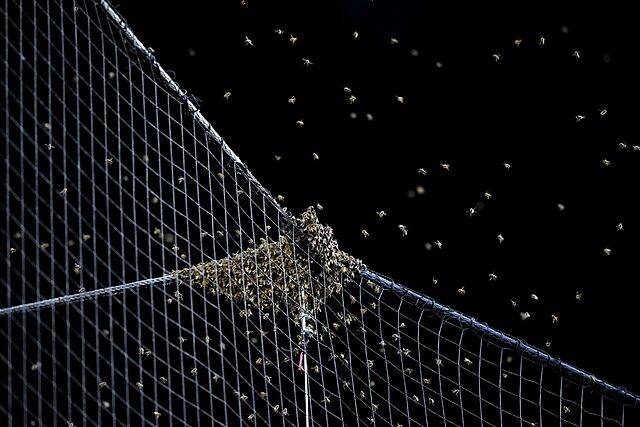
(500, 238)
(227, 95)
(293, 39)
(580, 117)
(403, 230)
(422, 171)
(461, 291)
(524, 315)
(492, 277)
(63, 192)
(300, 123)
(381, 214)
(619, 227)
(445, 166)
(157, 414)
(394, 40)
(576, 54)
(487, 195)
(400, 99)
(578, 295)
(607, 251)
(109, 160)
(606, 162)
(517, 42)
(352, 99)
(365, 233)
(316, 157)
(278, 31)
(554, 318)
(247, 41)
(292, 100)
(496, 57)
(355, 35)
(471, 212)
(507, 166)
(307, 62)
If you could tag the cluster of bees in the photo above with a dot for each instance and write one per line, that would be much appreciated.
(299, 270)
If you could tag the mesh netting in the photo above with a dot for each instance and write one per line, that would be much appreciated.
(149, 278)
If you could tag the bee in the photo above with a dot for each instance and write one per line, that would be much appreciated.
(462, 291)
(109, 160)
(394, 40)
(456, 391)
(566, 409)
(157, 414)
(293, 39)
(306, 62)
(365, 233)
(603, 112)
(400, 99)
(300, 123)
(514, 303)
(285, 412)
(445, 166)
(547, 344)
(524, 315)
(517, 42)
(352, 99)
(250, 417)
(381, 214)
(541, 41)
(422, 171)
(369, 363)
(426, 381)
(247, 41)
(319, 206)
(48, 146)
(292, 100)
(139, 384)
(403, 230)
(619, 227)
(468, 361)
(194, 371)
(44, 246)
(438, 362)
(534, 297)
(434, 280)
(607, 251)
(622, 145)
(180, 180)
(578, 296)
(636, 147)
(227, 95)
(102, 384)
(507, 166)
(374, 407)
(496, 57)
(280, 198)
(278, 31)
(580, 117)
(606, 162)
(63, 192)
(471, 212)
(500, 238)
(554, 318)
(355, 35)
(431, 401)
(576, 54)
(316, 157)
(12, 250)
(487, 195)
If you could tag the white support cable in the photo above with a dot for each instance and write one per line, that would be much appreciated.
(111, 290)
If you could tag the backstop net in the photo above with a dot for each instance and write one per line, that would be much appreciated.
(148, 277)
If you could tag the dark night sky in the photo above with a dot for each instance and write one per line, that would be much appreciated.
(461, 107)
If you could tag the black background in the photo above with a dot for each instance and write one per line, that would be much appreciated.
(461, 107)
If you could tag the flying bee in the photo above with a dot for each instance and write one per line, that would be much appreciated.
(496, 57)
(445, 166)
(619, 227)
(471, 212)
(468, 361)
(293, 39)
(403, 230)
(524, 315)
(63, 192)
(462, 291)
(381, 214)
(365, 233)
(580, 117)
(292, 100)
(247, 41)
(109, 160)
(500, 238)
(606, 162)
(157, 414)
(355, 35)
(576, 54)
(492, 277)
(400, 99)
(394, 40)
(517, 42)
(352, 99)
(316, 157)
(307, 62)
(554, 318)
(300, 123)
(607, 251)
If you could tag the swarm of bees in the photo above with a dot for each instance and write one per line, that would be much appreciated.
(304, 265)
